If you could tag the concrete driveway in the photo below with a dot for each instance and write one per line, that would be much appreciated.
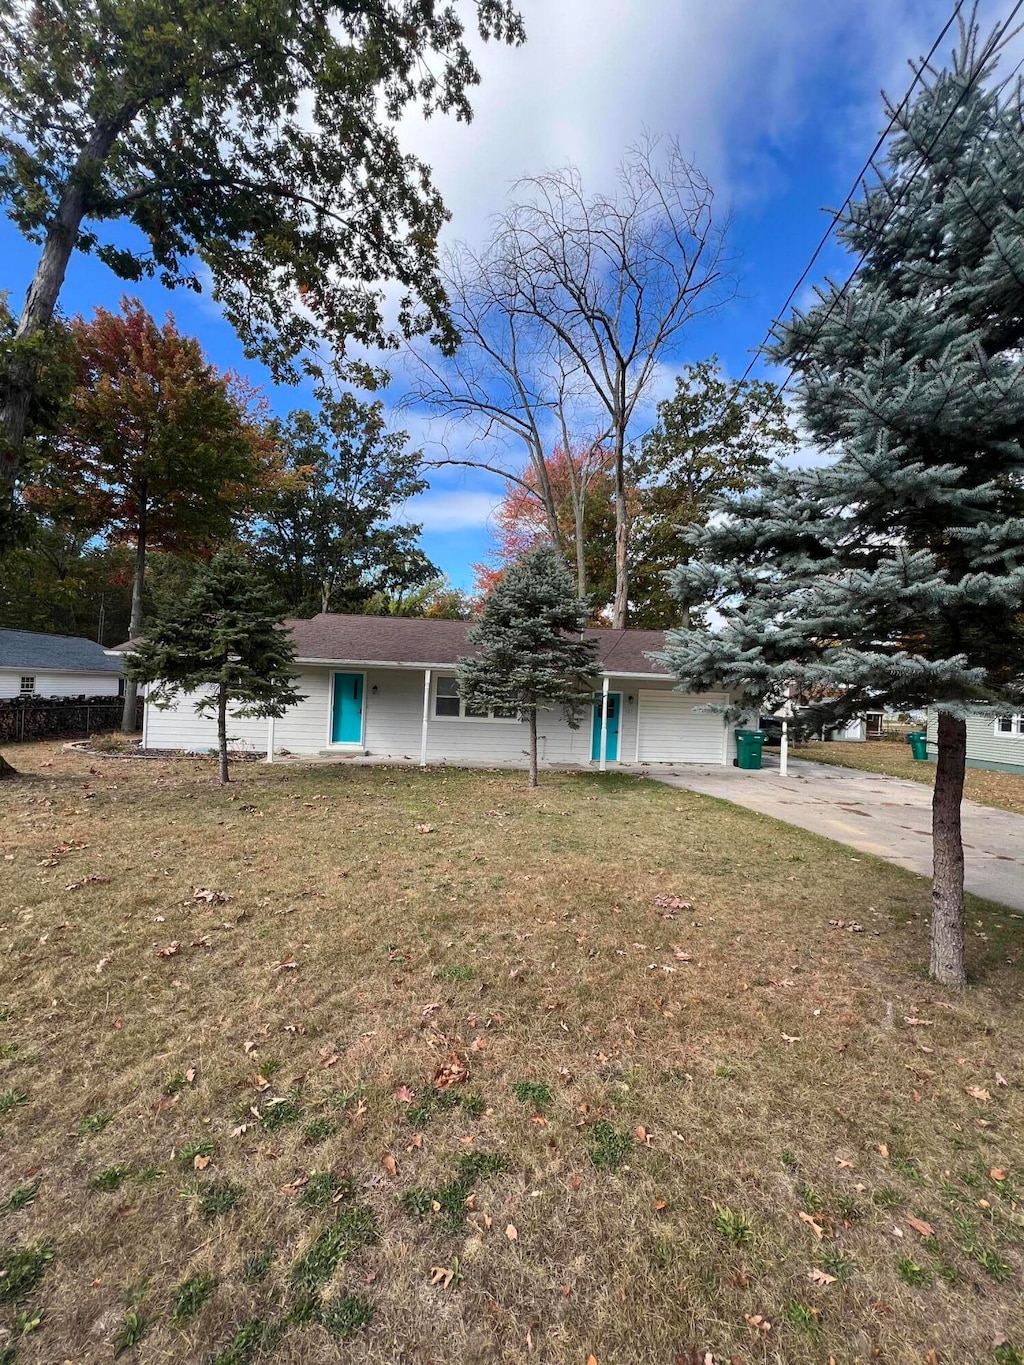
(887, 816)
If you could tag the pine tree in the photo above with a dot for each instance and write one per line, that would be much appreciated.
(894, 575)
(225, 643)
(531, 653)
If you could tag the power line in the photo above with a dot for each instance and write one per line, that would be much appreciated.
(992, 46)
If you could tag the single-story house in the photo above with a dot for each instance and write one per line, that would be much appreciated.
(996, 742)
(386, 686)
(33, 664)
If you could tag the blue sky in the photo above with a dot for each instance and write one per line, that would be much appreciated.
(777, 102)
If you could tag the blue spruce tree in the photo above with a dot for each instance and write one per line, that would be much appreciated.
(894, 575)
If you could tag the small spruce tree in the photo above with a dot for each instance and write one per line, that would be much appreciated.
(225, 643)
(894, 575)
(531, 653)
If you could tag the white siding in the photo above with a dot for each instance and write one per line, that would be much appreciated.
(393, 715)
(51, 684)
(984, 745)
(672, 732)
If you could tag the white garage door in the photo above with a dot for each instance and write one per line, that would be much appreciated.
(670, 731)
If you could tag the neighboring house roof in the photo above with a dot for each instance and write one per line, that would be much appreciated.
(410, 640)
(428, 643)
(29, 649)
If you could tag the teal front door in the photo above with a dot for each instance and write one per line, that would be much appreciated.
(611, 750)
(347, 720)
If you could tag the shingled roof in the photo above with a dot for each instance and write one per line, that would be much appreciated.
(34, 650)
(412, 641)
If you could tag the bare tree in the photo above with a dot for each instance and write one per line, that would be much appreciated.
(615, 279)
(570, 310)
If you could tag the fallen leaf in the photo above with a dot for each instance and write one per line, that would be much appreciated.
(169, 950)
(452, 1072)
(440, 1274)
(390, 1165)
(511, 1232)
(672, 903)
(1001, 1079)
(918, 1023)
(820, 1277)
(681, 955)
(976, 1092)
(287, 964)
(789, 1038)
(591, 1360)
(919, 1225)
(883, 1150)
(660, 1204)
(806, 1218)
(997, 1175)
(843, 1164)
(404, 1094)
(203, 893)
(642, 1135)
(191, 1074)
(200, 1163)
(758, 1322)
(424, 829)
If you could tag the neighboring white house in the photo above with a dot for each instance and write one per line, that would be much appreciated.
(36, 665)
(386, 686)
(992, 742)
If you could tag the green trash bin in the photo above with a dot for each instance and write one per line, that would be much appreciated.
(918, 741)
(749, 744)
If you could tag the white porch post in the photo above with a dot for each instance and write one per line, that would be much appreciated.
(426, 717)
(784, 749)
(270, 740)
(145, 720)
(604, 725)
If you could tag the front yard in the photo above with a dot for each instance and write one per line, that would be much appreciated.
(376, 1065)
(1004, 790)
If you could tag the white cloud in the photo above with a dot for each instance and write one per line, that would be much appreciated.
(450, 510)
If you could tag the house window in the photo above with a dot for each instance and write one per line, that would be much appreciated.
(1010, 725)
(447, 702)
(28, 685)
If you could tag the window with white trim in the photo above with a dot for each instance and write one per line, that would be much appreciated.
(28, 685)
(1010, 725)
(448, 705)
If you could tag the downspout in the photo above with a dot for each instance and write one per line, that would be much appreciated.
(270, 740)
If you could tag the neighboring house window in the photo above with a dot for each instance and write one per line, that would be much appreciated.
(1010, 725)
(447, 702)
(28, 685)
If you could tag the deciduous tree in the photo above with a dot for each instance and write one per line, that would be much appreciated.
(156, 449)
(224, 644)
(257, 141)
(328, 540)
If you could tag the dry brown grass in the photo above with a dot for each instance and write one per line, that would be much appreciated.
(1003, 790)
(775, 1073)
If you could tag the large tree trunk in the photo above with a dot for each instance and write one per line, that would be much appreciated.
(947, 955)
(129, 712)
(18, 382)
(6, 770)
(222, 734)
(621, 606)
(533, 746)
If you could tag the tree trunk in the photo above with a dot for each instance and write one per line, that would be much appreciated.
(947, 949)
(6, 770)
(222, 734)
(129, 711)
(18, 382)
(621, 606)
(533, 746)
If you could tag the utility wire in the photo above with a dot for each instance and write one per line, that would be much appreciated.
(991, 47)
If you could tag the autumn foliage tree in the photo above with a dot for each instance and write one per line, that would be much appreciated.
(157, 450)
(259, 138)
(581, 488)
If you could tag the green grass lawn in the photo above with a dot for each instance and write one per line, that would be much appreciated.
(375, 1065)
(1004, 790)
